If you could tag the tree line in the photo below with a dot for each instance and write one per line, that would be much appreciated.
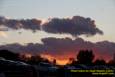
(83, 57)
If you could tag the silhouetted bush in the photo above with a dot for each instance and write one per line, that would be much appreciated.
(37, 59)
(111, 62)
(100, 62)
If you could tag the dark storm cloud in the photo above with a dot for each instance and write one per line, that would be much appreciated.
(64, 46)
(75, 26)
(3, 29)
(27, 24)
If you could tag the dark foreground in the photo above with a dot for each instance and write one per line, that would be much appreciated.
(10, 68)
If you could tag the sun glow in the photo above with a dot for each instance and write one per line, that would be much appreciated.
(58, 60)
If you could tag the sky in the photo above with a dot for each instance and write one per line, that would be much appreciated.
(101, 11)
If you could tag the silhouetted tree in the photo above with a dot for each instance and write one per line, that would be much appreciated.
(35, 59)
(72, 62)
(111, 62)
(54, 61)
(9, 55)
(45, 60)
(85, 57)
(99, 62)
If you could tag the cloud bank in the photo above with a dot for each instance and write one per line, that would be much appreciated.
(64, 47)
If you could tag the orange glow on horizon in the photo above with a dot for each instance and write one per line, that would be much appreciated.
(64, 59)
(58, 60)
(27, 55)
(62, 62)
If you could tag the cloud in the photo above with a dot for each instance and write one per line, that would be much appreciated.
(64, 47)
(75, 26)
(3, 28)
(27, 24)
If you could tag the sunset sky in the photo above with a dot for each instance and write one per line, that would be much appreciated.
(53, 36)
